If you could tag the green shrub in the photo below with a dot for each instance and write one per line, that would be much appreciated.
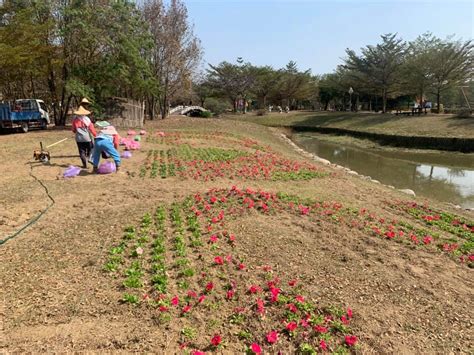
(216, 106)
(205, 114)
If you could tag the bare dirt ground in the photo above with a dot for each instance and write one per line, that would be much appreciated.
(57, 297)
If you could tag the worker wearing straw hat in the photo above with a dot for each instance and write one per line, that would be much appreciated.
(107, 141)
(84, 132)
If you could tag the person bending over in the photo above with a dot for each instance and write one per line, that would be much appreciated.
(107, 141)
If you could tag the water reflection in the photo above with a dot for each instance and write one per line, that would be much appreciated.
(446, 177)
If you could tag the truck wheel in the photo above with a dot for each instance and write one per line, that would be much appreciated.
(24, 127)
(44, 124)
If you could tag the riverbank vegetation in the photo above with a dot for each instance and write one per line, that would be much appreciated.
(425, 125)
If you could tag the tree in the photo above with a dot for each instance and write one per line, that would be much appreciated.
(418, 73)
(176, 52)
(452, 65)
(379, 66)
(233, 81)
(90, 48)
(266, 80)
(294, 85)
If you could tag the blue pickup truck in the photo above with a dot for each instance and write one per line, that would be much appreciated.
(24, 113)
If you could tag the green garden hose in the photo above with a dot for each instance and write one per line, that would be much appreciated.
(36, 218)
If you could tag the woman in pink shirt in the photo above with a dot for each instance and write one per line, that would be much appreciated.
(84, 133)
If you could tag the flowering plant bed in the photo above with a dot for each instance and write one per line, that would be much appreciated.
(185, 265)
(208, 163)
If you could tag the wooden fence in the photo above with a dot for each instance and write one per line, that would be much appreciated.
(125, 113)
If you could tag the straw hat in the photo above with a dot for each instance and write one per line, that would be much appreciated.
(85, 101)
(110, 130)
(81, 111)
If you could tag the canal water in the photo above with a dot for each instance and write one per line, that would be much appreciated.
(447, 177)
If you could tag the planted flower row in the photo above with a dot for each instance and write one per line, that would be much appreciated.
(211, 163)
(267, 312)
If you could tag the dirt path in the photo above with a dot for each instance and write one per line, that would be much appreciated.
(56, 295)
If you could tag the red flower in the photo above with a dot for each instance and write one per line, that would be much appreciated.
(228, 258)
(255, 289)
(272, 337)
(232, 238)
(213, 238)
(216, 340)
(349, 313)
(213, 199)
(186, 309)
(197, 352)
(219, 260)
(292, 283)
(344, 320)
(256, 348)
(260, 306)
(192, 294)
(201, 298)
(241, 266)
(292, 307)
(428, 239)
(209, 286)
(323, 345)
(175, 301)
(275, 292)
(230, 294)
(351, 340)
(291, 326)
(320, 329)
(163, 308)
(299, 299)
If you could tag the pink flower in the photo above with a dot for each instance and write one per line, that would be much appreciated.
(291, 326)
(201, 298)
(230, 294)
(228, 258)
(197, 352)
(186, 309)
(320, 329)
(192, 294)
(163, 309)
(175, 301)
(213, 238)
(323, 345)
(272, 337)
(427, 240)
(260, 306)
(299, 299)
(219, 260)
(216, 340)
(241, 266)
(344, 320)
(275, 292)
(292, 307)
(255, 289)
(351, 340)
(349, 313)
(139, 251)
(256, 348)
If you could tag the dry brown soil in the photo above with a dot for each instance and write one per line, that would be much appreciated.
(56, 296)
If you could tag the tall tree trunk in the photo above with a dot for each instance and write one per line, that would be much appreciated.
(438, 99)
(384, 101)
